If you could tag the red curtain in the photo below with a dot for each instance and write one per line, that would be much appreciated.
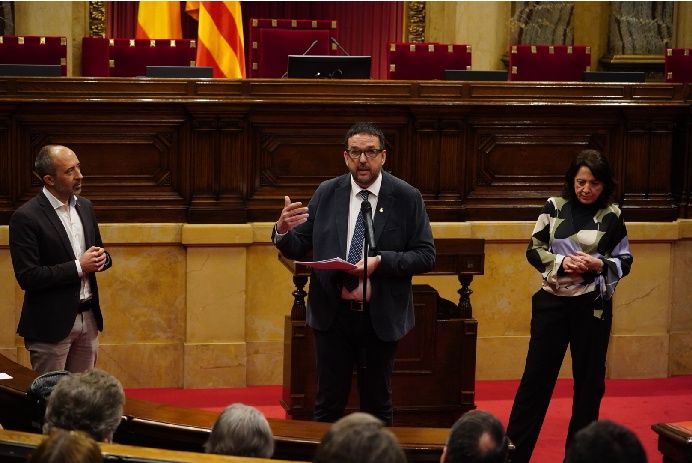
(364, 28)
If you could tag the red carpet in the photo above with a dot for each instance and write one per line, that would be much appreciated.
(636, 404)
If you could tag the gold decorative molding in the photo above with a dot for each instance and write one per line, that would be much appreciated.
(416, 21)
(97, 19)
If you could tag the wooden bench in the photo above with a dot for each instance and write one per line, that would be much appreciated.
(16, 446)
(150, 424)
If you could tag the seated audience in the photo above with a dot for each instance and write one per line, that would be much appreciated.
(359, 438)
(476, 437)
(242, 431)
(66, 447)
(91, 402)
(605, 442)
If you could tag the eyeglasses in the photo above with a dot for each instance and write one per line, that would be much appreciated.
(370, 153)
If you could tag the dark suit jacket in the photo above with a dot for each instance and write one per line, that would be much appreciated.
(44, 266)
(404, 240)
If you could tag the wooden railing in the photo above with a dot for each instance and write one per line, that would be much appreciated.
(227, 151)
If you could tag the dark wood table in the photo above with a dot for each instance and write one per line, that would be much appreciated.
(675, 441)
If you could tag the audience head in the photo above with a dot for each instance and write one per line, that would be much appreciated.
(605, 441)
(359, 438)
(63, 446)
(243, 431)
(91, 402)
(476, 437)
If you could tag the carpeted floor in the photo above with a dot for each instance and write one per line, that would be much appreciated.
(636, 404)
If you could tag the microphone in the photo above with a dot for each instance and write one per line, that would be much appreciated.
(366, 210)
(312, 45)
(336, 42)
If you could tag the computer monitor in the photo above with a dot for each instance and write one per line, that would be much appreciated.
(35, 70)
(180, 71)
(463, 74)
(615, 76)
(329, 67)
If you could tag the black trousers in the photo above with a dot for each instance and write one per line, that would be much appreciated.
(555, 323)
(351, 342)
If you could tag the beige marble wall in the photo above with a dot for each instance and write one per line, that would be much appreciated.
(483, 25)
(204, 305)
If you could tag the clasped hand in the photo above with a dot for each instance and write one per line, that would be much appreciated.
(93, 260)
(580, 262)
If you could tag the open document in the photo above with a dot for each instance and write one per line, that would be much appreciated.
(337, 263)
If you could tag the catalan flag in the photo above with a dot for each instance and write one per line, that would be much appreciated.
(220, 41)
(159, 20)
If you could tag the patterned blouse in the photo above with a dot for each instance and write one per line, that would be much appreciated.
(556, 235)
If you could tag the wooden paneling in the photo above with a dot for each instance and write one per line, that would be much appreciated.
(227, 151)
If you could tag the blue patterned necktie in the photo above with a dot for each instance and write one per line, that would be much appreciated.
(356, 251)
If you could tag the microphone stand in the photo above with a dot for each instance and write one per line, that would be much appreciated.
(369, 245)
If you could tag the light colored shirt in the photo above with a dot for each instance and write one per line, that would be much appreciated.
(67, 213)
(353, 211)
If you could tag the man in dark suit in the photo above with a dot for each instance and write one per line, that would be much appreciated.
(347, 332)
(56, 249)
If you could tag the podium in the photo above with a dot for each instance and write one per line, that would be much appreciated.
(433, 382)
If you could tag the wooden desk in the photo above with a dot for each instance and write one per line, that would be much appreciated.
(177, 428)
(433, 382)
(675, 441)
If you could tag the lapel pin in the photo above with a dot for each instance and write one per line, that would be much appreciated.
(381, 210)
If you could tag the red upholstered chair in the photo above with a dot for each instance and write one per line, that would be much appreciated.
(130, 57)
(549, 62)
(34, 49)
(425, 60)
(678, 65)
(272, 40)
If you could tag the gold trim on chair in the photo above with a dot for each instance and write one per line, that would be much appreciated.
(63, 61)
(42, 41)
(551, 50)
(152, 43)
(431, 48)
(111, 42)
(63, 41)
(588, 50)
(173, 44)
(193, 44)
(254, 44)
(412, 47)
(392, 47)
(514, 70)
(111, 63)
(569, 49)
(274, 23)
(534, 49)
(254, 22)
(2, 40)
(132, 42)
(20, 40)
(333, 25)
(392, 67)
(193, 63)
(314, 24)
(669, 51)
(514, 49)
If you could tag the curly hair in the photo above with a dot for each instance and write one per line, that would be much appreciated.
(91, 402)
(66, 447)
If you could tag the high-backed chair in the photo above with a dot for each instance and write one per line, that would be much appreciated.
(34, 49)
(549, 62)
(272, 40)
(678, 65)
(103, 57)
(425, 60)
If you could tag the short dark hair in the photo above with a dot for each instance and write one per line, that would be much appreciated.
(599, 167)
(367, 128)
(243, 431)
(359, 438)
(91, 402)
(43, 165)
(605, 442)
(464, 442)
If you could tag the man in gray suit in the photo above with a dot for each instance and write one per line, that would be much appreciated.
(348, 332)
(56, 250)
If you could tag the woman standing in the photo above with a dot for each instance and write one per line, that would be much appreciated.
(580, 246)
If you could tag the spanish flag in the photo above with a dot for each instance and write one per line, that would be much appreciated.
(159, 20)
(220, 41)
